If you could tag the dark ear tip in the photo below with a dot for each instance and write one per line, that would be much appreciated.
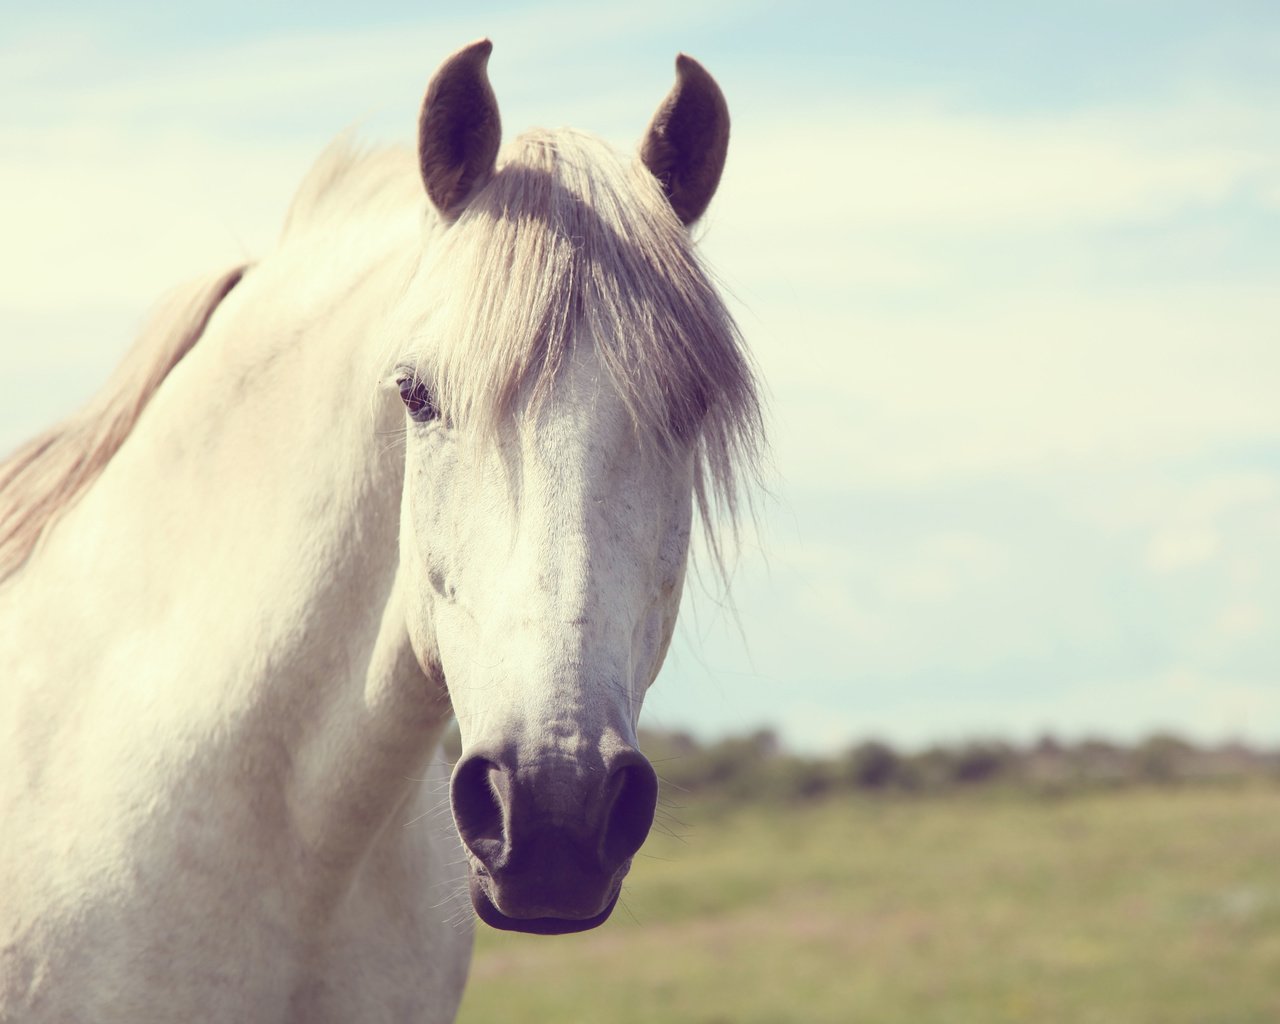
(690, 74)
(686, 66)
(473, 53)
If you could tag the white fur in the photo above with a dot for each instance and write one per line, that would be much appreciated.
(214, 732)
(551, 609)
(223, 671)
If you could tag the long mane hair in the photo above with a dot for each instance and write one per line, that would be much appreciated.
(564, 238)
(567, 238)
(45, 476)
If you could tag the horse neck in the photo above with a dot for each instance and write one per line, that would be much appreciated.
(243, 551)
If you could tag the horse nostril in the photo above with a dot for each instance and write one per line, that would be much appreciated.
(477, 793)
(634, 786)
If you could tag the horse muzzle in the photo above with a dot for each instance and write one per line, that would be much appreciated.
(551, 840)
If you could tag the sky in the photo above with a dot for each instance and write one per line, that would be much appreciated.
(1008, 272)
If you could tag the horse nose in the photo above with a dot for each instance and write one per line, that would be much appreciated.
(630, 802)
(480, 794)
(502, 810)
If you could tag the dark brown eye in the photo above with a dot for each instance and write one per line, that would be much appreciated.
(417, 399)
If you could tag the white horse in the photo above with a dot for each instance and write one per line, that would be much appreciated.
(426, 459)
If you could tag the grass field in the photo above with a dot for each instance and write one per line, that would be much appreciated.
(1150, 905)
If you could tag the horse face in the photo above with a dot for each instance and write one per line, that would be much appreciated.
(542, 571)
(543, 556)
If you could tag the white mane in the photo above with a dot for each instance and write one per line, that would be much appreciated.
(44, 477)
(566, 237)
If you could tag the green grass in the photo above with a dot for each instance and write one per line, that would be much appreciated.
(1158, 906)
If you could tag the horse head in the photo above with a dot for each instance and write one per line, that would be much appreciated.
(572, 387)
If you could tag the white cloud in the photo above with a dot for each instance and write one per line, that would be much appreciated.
(1178, 548)
(849, 167)
(118, 224)
(1190, 526)
(1018, 383)
(944, 567)
(986, 337)
(1240, 621)
(1181, 698)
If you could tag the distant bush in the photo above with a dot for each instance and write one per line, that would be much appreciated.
(738, 766)
(1164, 758)
(983, 761)
(874, 765)
(758, 767)
(803, 778)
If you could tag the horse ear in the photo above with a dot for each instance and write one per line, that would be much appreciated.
(459, 131)
(687, 139)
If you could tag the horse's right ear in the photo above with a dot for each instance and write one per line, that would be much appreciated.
(459, 131)
(687, 139)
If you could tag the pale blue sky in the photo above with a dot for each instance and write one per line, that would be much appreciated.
(1009, 271)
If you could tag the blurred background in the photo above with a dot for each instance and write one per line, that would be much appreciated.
(987, 735)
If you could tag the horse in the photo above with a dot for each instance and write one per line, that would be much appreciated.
(438, 456)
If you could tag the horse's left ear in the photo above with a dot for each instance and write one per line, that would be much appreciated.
(459, 131)
(687, 140)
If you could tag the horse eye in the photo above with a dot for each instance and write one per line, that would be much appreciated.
(417, 399)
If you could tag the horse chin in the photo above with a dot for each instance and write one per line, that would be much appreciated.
(488, 912)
